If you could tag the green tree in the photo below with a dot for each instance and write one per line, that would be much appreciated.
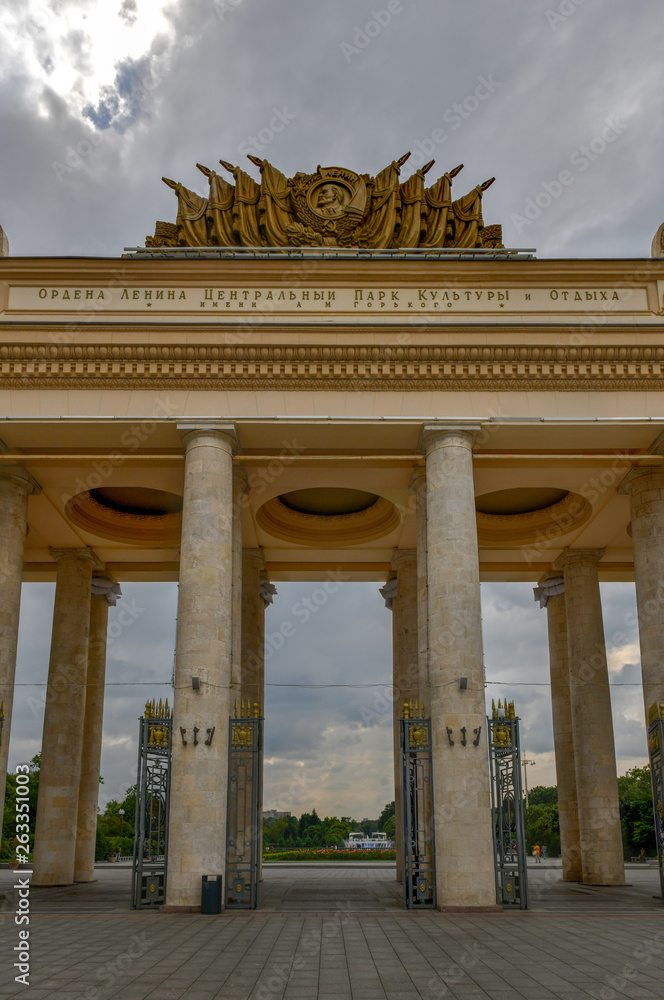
(636, 812)
(388, 811)
(307, 820)
(389, 827)
(541, 827)
(7, 852)
(543, 795)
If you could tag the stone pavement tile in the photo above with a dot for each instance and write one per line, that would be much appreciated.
(533, 992)
(164, 994)
(468, 992)
(503, 994)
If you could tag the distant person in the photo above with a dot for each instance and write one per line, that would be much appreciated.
(544, 852)
(537, 851)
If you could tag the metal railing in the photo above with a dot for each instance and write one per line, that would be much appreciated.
(329, 253)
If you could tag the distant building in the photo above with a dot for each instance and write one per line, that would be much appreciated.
(274, 814)
(368, 842)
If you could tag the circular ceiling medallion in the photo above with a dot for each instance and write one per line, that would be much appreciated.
(135, 514)
(522, 500)
(328, 500)
(528, 516)
(328, 516)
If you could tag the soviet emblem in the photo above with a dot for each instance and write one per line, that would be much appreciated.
(328, 205)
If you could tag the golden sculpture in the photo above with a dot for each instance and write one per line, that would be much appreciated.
(656, 711)
(333, 207)
(158, 735)
(502, 735)
(243, 736)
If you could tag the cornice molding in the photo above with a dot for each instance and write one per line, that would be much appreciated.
(353, 367)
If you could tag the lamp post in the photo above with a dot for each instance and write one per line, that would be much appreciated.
(525, 763)
(121, 813)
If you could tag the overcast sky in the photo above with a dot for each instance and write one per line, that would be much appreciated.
(148, 89)
(99, 98)
(328, 747)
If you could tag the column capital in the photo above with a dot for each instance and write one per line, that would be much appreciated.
(441, 433)
(224, 430)
(20, 477)
(241, 481)
(638, 474)
(550, 585)
(105, 585)
(256, 555)
(17, 473)
(401, 556)
(578, 555)
(389, 591)
(83, 555)
(418, 480)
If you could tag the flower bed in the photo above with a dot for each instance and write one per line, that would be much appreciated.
(327, 854)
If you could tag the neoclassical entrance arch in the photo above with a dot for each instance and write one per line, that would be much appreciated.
(228, 418)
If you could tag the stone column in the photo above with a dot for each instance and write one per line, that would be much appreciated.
(62, 741)
(462, 796)
(418, 486)
(88, 792)
(197, 824)
(645, 486)
(240, 495)
(405, 668)
(15, 487)
(551, 595)
(592, 724)
(253, 627)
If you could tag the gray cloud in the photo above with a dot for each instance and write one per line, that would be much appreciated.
(556, 90)
(81, 175)
(328, 747)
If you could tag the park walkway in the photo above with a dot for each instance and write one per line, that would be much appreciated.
(340, 934)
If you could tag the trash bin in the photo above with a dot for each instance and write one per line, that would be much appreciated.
(211, 894)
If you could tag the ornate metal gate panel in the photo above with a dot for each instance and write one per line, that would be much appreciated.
(507, 808)
(656, 751)
(243, 840)
(419, 875)
(148, 882)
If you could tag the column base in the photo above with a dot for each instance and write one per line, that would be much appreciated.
(470, 909)
(607, 883)
(35, 884)
(174, 908)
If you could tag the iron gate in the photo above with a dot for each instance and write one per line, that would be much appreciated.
(148, 881)
(655, 749)
(507, 808)
(419, 876)
(243, 840)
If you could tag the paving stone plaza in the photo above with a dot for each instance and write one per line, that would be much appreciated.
(340, 934)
